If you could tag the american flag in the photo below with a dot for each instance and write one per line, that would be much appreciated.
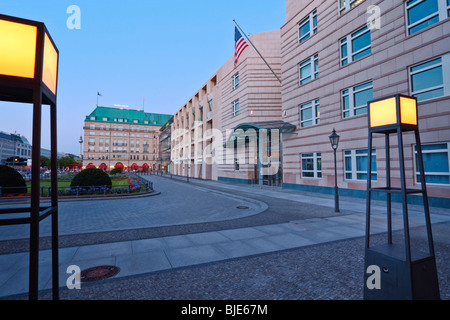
(239, 45)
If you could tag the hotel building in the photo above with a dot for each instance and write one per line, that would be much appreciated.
(122, 138)
(336, 56)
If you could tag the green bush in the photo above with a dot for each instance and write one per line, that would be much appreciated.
(115, 171)
(11, 181)
(91, 177)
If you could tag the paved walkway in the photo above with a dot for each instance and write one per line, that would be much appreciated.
(164, 253)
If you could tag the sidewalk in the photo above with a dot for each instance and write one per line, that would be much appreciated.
(170, 252)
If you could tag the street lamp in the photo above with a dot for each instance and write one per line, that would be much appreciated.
(29, 74)
(334, 140)
(408, 271)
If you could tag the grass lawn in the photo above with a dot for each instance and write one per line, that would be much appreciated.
(46, 183)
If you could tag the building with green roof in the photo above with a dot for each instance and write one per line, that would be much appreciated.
(122, 138)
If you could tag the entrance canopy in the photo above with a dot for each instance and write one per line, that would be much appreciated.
(282, 126)
(268, 125)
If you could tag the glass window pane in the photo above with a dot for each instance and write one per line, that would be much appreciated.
(374, 164)
(348, 164)
(304, 30)
(345, 102)
(435, 162)
(422, 10)
(359, 111)
(360, 31)
(305, 71)
(362, 97)
(424, 24)
(439, 146)
(427, 79)
(362, 86)
(361, 176)
(306, 114)
(308, 174)
(344, 51)
(306, 123)
(440, 179)
(308, 164)
(429, 94)
(361, 42)
(361, 163)
(426, 64)
(362, 54)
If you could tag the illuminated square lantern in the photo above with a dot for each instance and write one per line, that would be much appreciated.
(29, 74)
(393, 112)
(28, 58)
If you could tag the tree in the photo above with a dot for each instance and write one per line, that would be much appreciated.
(45, 162)
(65, 161)
(11, 181)
(91, 177)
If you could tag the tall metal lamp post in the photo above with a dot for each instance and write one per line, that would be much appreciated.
(334, 140)
(29, 74)
(402, 269)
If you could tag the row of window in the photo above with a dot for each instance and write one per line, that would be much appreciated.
(119, 128)
(420, 14)
(428, 80)
(106, 157)
(93, 118)
(436, 158)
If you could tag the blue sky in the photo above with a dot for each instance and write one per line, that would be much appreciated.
(162, 51)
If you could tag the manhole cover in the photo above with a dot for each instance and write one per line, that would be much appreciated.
(242, 207)
(98, 273)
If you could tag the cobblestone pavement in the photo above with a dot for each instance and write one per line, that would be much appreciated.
(330, 271)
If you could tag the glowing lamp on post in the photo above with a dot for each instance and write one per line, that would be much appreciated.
(392, 112)
(409, 272)
(29, 74)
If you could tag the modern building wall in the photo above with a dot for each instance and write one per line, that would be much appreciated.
(248, 92)
(396, 58)
(259, 98)
(192, 133)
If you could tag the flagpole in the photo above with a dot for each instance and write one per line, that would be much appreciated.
(245, 35)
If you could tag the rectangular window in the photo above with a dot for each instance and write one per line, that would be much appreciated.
(210, 104)
(346, 5)
(235, 106)
(436, 163)
(311, 165)
(310, 113)
(235, 81)
(307, 27)
(424, 13)
(309, 69)
(355, 46)
(355, 164)
(355, 99)
(430, 79)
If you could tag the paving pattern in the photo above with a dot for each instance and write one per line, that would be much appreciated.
(288, 245)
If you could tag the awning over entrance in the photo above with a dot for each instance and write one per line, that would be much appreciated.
(268, 125)
(282, 126)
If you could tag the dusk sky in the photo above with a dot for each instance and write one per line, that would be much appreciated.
(160, 51)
